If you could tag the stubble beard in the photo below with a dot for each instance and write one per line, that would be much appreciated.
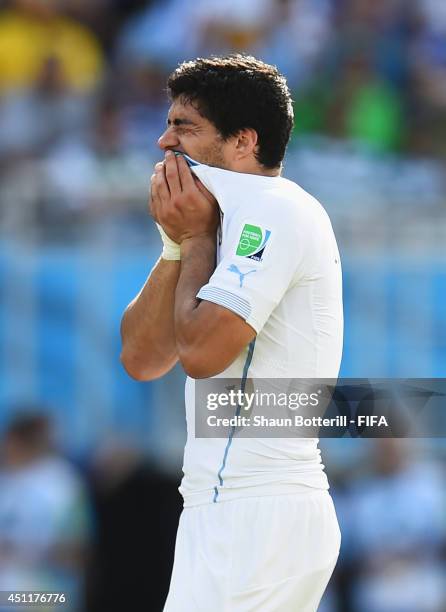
(213, 155)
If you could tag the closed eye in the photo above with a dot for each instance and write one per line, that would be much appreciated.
(180, 122)
(183, 130)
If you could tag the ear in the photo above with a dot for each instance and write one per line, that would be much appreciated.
(246, 143)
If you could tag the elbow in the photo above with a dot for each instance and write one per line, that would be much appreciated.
(197, 365)
(135, 369)
(144, 370)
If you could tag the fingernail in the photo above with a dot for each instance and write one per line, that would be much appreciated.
(169, 153)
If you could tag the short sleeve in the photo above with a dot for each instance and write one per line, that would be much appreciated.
(259, 265)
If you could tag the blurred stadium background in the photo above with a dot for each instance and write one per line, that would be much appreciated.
(81, 107)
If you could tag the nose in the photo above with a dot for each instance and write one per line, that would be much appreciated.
(168, 140)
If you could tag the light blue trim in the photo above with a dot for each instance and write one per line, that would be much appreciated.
(227, 299)
(267, 235)
(191, 162)
(231, 435)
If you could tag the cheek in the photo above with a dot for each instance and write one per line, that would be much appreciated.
(188, 143)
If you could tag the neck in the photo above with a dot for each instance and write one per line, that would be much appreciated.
(253, 167)
(269, 171)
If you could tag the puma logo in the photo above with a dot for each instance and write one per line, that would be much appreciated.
(233, 268)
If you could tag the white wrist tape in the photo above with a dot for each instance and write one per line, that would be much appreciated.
(171, 250)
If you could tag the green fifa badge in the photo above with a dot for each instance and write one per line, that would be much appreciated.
(252, 242)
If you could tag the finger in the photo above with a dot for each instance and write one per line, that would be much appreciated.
(172, 175)
(153, 199)
(161, 184)
(186, 176)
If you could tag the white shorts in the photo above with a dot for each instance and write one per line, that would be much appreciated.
(258, 554)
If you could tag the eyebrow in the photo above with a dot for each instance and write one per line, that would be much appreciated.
(179, 121)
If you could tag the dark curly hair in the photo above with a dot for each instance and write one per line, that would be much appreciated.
(235, 92)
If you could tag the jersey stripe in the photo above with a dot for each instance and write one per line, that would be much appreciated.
(231, 435)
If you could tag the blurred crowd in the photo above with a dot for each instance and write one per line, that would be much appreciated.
(82, 83)
(86, 528)
(92, 74)
(44, 513)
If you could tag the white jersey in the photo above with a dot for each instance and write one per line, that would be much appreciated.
(278, 268)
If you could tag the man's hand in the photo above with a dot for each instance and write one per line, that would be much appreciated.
(180, 203)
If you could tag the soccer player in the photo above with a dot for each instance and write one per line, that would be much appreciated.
(248, 287)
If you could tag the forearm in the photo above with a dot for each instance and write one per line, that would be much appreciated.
(208, 336)
(147, 327)
(197, 265)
